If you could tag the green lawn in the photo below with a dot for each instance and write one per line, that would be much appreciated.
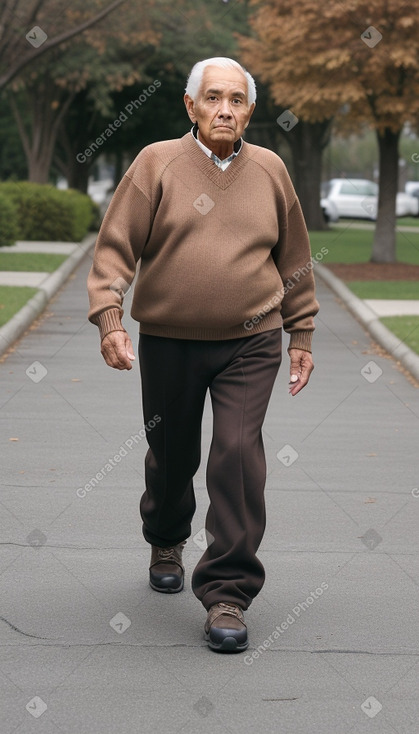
(400, 222)
(31, 261)
(393, 289)
(353, 245)
(408, 222)
(12, 299)
(406, 328)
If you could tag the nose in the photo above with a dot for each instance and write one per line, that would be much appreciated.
(224, 110)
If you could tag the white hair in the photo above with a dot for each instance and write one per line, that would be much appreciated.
(195, 77)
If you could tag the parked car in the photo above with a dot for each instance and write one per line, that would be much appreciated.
(358, 198)
(412, 188)
(415, 195)
(329, 210)
(406, 205)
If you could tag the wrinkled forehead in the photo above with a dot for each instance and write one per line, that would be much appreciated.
(214, 77)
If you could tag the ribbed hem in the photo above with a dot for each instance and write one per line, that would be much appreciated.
(301, 340)
(109, 320)
(272, 320)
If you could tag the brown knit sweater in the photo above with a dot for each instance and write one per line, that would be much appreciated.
(224, 254)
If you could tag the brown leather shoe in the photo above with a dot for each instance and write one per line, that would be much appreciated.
(225, 629)
(166, 568)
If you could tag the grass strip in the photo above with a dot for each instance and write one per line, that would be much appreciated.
(406, 328)
(30, 261)
(353, 245)
(399, 290)
(12, 298)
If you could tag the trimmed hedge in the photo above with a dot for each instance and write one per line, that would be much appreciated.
(47, 213)
(9, 230)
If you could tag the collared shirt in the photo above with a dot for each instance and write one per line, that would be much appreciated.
(221, 164)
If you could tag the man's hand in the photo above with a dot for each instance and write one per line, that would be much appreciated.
(117, 351)
(300, 369)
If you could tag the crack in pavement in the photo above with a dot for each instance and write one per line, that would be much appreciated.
(192, 646)
(26, 634)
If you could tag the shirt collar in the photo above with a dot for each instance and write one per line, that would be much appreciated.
(237, 148)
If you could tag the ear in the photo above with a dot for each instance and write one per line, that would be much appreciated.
(190, 107)
(251, 110)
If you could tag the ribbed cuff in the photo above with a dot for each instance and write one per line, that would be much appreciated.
(108, 321)
(301, 340)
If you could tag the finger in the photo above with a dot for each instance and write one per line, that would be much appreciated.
(114, 351)
(294, 389)
(300, 372)
(129, 349)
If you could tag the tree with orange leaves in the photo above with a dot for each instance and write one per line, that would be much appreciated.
(358, 54)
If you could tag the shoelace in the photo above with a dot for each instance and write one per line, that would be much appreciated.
(167, 554)
(230, 607)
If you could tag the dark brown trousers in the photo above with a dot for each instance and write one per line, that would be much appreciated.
(175, 376)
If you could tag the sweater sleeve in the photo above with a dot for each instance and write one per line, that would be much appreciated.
(292, 257)
(121, 240)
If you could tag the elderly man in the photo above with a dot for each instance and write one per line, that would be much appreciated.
(218, 228)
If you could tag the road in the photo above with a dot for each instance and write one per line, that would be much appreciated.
(89, 648)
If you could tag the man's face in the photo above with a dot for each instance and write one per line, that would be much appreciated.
(221, 109)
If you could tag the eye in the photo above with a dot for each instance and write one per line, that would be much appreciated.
(237, 100)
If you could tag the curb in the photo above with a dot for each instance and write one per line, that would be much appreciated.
(369, 319)
(10, 332)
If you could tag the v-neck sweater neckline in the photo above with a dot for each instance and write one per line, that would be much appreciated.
(220, 178)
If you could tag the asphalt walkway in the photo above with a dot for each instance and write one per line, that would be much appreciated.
(89, 648)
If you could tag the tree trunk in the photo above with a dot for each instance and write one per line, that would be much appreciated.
(78, 175)
(119, 168)
(39, 166)
(263, 134)
(75, 133)
(307, 142)
(38, 133)
(384, 245)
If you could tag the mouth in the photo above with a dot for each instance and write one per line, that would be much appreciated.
(223, 127)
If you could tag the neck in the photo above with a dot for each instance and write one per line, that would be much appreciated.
(222, 150)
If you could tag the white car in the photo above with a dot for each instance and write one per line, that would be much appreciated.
(412, 187)
(329, 210)
(406, 205)
(358, 198)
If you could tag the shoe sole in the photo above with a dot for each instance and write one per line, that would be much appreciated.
(229, 644)
(167, 590)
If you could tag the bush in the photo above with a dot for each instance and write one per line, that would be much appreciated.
(96, 217)
(46, 213)
(9, 230)
(82, 210)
